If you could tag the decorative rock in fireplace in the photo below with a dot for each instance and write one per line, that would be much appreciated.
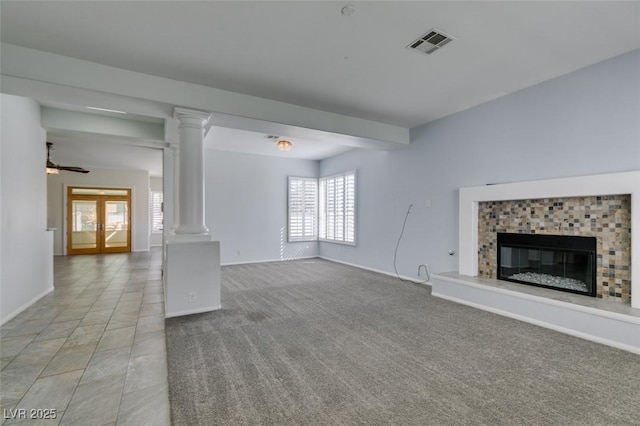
(559, 262)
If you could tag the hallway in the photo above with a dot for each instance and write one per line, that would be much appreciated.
(93, 350)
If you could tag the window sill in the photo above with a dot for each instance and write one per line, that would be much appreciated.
(344, 243)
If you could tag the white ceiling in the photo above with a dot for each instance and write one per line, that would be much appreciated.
(307, 53)
(225, 139)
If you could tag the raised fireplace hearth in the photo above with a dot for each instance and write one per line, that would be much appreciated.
(605, 206)
(559, 262)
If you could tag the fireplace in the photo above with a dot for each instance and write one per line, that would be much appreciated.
(559, 262)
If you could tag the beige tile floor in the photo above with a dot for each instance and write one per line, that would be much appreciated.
(93, 349)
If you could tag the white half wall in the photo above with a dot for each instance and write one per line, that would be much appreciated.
(137, 180)
(246, 206)
(191, 275)
(26, 252)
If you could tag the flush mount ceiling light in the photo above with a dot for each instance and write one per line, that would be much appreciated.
(284, 145)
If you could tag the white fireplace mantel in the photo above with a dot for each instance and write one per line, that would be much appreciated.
(581, 186)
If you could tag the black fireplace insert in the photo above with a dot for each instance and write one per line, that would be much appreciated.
(560, 262)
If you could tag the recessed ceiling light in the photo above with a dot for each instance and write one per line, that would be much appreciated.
(348, 10)
(106, 110)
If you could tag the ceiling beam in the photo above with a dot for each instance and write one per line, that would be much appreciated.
(28, 68)
(53, 118)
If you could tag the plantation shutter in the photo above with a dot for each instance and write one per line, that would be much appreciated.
(303, 209)
(338, 208)
(155, 209)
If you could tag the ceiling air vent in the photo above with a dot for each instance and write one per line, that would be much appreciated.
(271, 137)
(431, 41)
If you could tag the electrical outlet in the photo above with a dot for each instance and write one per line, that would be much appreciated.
(426, 269)
(192, 297)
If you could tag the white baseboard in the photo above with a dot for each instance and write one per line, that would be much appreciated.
(194, 311)
(267, 260)
(16, 312)
(390, 274)
(540, 323)
(404, 277)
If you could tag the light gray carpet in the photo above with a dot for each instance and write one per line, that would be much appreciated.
(319, 343)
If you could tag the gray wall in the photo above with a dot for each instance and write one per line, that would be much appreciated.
(246, 205)
(26, 248)
(586, 122)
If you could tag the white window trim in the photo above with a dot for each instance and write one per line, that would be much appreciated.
(355, 209)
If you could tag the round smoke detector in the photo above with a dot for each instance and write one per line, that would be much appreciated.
(348, 10)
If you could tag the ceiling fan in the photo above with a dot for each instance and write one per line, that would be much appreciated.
(53, 168)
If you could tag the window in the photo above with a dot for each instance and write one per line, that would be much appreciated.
(323, 209)
(337, 208)
(303, 209)
(155, 209)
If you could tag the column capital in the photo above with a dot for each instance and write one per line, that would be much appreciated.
(191, 117)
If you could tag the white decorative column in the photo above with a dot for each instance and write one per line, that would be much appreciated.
(191, 258)
(191, 171)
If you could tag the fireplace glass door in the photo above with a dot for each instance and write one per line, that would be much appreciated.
(565, 263)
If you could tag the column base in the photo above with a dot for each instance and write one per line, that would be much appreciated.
(192, 229)
(191, 275)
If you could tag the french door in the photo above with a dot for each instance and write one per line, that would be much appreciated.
(98, 220)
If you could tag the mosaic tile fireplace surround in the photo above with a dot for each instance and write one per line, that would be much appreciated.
(606, 217)
(600, 185)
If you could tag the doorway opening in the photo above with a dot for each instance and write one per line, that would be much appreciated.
(98, 220)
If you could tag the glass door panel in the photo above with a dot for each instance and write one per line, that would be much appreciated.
(116, 232)
(84, 225)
